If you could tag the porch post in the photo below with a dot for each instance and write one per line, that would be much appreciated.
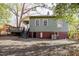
(32, 34)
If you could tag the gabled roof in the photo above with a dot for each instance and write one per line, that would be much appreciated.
(45, 17)
(27, 18)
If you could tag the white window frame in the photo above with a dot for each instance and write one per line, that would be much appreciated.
(43, 22)
(35, 22)
(59, 23)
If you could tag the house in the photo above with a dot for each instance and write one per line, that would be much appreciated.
(4, 29)
(47, 27)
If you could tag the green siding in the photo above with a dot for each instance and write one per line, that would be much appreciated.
(52, 26)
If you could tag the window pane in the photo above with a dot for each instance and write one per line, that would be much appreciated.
(45, 22)
(59, 24)
(37, 22)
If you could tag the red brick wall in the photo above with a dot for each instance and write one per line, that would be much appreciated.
(38, 34)
(63, 35)
(47, 35)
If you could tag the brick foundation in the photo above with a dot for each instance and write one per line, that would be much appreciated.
(47, 35)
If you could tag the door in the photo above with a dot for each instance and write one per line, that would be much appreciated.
(34, 34)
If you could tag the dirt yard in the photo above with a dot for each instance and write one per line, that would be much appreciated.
(15, 46)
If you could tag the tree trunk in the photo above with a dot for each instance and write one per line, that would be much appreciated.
(17, 21)
(20, 20)
(17, 15)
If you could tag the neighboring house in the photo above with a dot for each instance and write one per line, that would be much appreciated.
(47, 27)
(4, 29)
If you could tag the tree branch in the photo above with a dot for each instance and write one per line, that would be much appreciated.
(36, 7)
(13, 11)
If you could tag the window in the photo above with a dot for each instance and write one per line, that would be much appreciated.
(45, 23)
(59, 24)
(37, 22)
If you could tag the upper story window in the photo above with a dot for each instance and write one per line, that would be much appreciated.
(37, 22)
(45, 22)
(59, 24)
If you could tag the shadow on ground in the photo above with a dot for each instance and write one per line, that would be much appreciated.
(39, 49)
(36, 50)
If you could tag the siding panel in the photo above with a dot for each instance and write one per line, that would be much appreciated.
(52, 26)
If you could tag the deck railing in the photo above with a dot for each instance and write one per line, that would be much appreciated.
(15, 29)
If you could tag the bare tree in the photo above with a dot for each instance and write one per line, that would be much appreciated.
(19, 10)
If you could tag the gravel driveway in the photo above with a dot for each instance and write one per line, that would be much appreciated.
(12, 45)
